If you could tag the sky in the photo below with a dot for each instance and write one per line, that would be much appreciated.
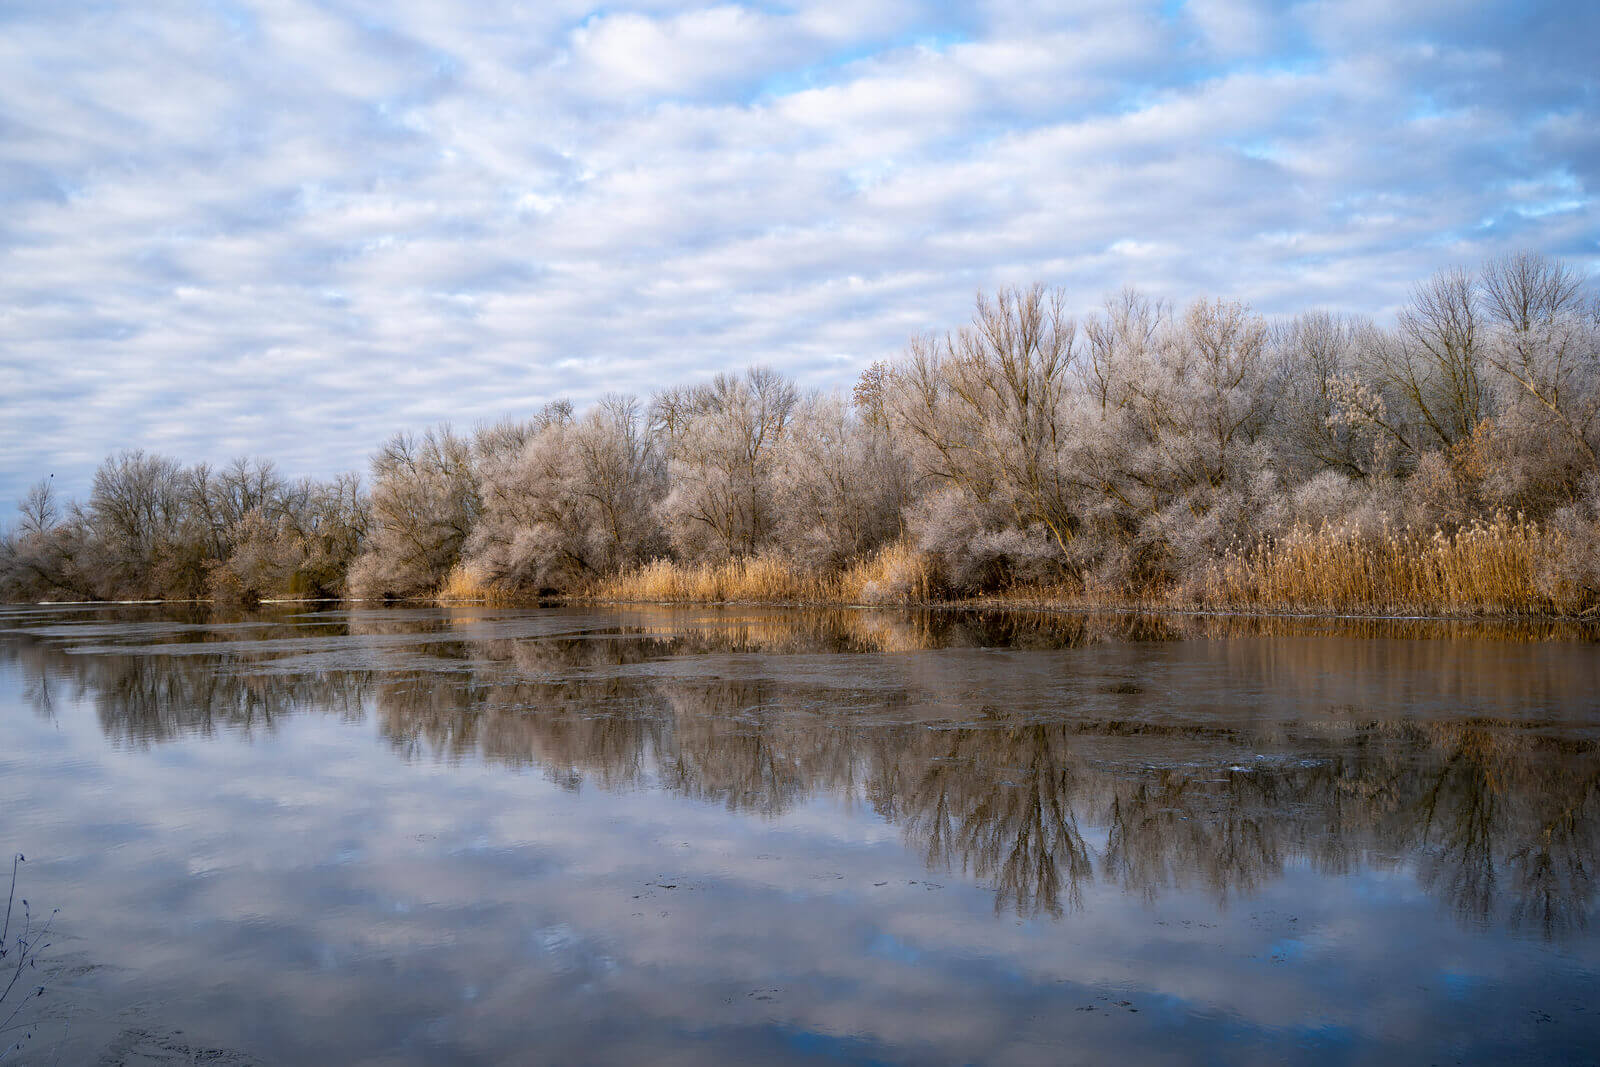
(293, 227)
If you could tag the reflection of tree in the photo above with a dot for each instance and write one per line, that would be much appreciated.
(1228, 828)
(1151, 843)
(1503, 804)
(998, 799)
(34, 659)
(1553, 885)
(570, 730)
(1552, 873)
(146, 699)
(725, 748)
(1457, 820)
(1499, 819)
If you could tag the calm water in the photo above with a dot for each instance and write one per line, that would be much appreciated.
(424, 836)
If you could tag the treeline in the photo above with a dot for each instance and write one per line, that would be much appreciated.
(1448, 462)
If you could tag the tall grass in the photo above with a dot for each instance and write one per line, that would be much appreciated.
(465, 583)
(19, 950)
(759, 578)
(1498, 567)
(895, 574)
(1494, 567)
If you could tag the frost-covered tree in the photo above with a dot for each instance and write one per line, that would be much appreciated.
(986, 415)
(1544, 340)
(840, 483)
(721, 442)
(575, 502)
(144, 540)
(424, 505)
(1319, 356)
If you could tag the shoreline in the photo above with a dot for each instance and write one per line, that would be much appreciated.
(1000, 604)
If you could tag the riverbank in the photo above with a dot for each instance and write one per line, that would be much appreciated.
(1508, 567)
(1505, 568)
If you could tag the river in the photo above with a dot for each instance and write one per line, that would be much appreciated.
(430, 835)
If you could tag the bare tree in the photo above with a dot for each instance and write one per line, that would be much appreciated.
(1434, 363)
(424, 504)
(1318, 360)
(721, 442)
(840, 482)
(575, 502)
(1546, 340)
(40, 512)
(986, 411)
(137, 509)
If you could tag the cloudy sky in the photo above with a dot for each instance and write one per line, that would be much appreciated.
(291, 227)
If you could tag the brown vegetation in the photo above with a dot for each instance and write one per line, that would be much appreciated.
(895, 573)
(1501, 567)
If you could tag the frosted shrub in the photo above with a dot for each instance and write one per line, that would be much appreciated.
(424, 505)
(1437, 493)
(1529, 461)
(1014, 556)
(945, 527)
(975, 554)
(1324, 498)
(572, 502)
(840, 485)
(722, 444)
(263, 561)
(1573, 574)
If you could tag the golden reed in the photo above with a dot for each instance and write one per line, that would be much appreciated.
(894, 574)
(1484, 568)
(1498, 567)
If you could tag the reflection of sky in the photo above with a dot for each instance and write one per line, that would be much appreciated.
(304, 889)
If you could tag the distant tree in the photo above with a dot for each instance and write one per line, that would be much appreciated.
(425, 503)
(721, 442)
(576, 501)
(840, 483)
(1546, 341)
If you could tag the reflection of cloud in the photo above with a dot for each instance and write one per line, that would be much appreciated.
(316, 223)
(307, 892)
(1001, 748)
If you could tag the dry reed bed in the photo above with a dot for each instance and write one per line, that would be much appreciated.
(465, 584)
(895, 574)
(1493, 568)
(1499, 567)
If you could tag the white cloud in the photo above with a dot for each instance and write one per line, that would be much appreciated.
(291, 228)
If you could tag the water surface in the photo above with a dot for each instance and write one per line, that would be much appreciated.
(476, 835)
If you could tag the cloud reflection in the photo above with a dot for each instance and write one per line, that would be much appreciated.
(766, 714)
